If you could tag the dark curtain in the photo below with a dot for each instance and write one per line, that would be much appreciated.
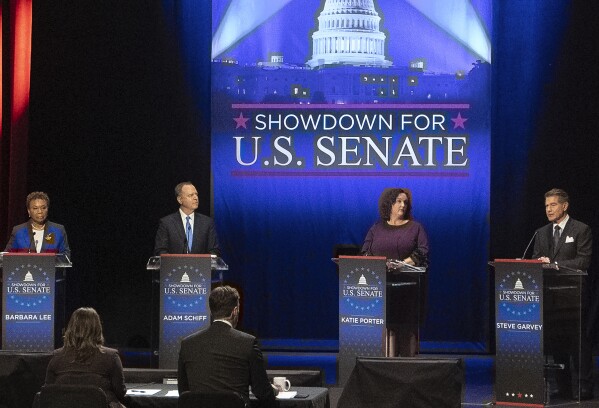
(546, 116)
(113, 129)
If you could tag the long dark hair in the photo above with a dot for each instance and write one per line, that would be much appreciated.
(84, 333)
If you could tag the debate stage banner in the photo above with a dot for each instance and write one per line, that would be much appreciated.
(362, 318)
(519, 361)
(317, 106)
(185, 282)
(28, 293)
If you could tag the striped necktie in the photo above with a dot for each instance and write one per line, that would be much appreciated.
(556, 235)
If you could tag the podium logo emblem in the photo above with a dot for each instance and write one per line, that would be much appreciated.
(184, 287)
(28, 277)
(518, 295)
(518, 285)
(358, 294)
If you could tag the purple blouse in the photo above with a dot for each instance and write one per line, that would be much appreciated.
(397, 242)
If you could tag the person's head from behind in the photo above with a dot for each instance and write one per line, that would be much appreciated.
(224, 304)
(395, 201)
(84, 333)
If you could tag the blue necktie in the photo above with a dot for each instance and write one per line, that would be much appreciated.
(189, 233)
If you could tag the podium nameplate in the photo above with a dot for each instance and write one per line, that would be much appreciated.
(362, 289)
(28, 293)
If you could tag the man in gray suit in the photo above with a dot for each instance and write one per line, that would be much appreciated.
(567, 243)
(221, 358)
(186, 231)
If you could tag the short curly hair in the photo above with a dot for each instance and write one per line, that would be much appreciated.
(37, 195)
(387, 199)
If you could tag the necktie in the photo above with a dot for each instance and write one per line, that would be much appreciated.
(556, 235)
(189, 233)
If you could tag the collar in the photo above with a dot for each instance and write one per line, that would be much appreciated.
(224, 321)
(562, 224)
(184, 217)
(30, 222)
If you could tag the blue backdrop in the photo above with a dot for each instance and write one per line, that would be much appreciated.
(300, 154)
(279, 225)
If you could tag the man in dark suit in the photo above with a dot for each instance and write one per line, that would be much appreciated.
(186, 231)
(222, 358)
(567, 243)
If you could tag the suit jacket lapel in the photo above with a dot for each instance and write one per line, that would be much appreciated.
(179, 226)
(562, 238)
(196, 228)
(179, 231)
(44, 233)
(31, 238)
(549, 242)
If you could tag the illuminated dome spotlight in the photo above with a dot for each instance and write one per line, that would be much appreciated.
(349, 34)
(459, 19)
(242, 17)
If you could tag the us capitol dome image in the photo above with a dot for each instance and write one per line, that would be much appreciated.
(348, 33)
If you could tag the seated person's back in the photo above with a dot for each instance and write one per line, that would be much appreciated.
(83, 360)
(222, 358)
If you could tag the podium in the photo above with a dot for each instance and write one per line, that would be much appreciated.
(33, 308)
(537, 314)
(185, 282)
(364, 282)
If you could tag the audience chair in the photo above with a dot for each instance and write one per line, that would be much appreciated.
(72, 396)
(195, 399)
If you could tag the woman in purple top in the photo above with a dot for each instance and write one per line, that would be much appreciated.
(398, 236)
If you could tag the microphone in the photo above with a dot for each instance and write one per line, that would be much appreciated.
(528, 246)
(34, 242)
(185, 246)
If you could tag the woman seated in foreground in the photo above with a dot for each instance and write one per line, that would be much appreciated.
(83, 359)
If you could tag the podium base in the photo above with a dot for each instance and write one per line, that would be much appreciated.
(404, 343)
(390, 344)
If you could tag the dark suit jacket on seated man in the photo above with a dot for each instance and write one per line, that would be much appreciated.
(568, 243)
(186, 231)
(222, 358)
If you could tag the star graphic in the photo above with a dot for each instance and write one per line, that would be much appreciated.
(241, 121)
(459, 121)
